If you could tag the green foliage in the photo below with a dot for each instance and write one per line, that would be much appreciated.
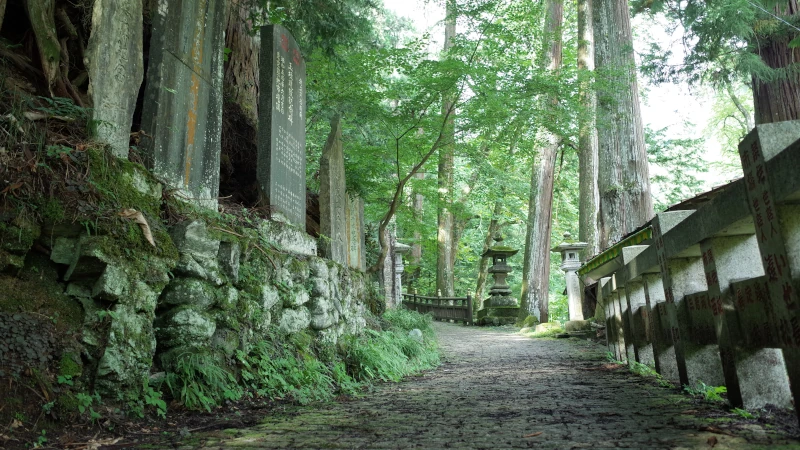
(391, 354)
(722, 40)
(199, 381)
(710, 393)
(744, 414)
(644, 370)
(298, 368)
(676, 165)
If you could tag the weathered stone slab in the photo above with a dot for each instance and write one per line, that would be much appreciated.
(356, 245)
(183, 99)
(754, 377)
(758, 324)
(114, 62)
(281, 170)
(333, 200)
(663, 350)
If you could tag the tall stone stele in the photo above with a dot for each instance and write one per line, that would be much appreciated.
(281, 166)
(333, 198)
(570, 263)
(116, 69)
(182, 113)
(501, 308)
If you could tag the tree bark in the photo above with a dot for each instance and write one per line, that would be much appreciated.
(445, 246)
(778, 100)
(241, 67)
(623, 177)
(535, 293)
(589, 197)
(2, 12)
(42, 16)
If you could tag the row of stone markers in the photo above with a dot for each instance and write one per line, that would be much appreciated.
(710, 295)
(182, 113)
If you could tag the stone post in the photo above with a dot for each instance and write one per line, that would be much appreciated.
(333, 200)
(182, 114)
(570, 263)
(114, 62)
(399, 268)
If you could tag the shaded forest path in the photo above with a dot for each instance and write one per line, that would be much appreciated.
(496, 389)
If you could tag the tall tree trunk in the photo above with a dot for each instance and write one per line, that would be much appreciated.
(589, 197)
(536, 266)
(779, 100)
(43, 22)
(241, 67)
(623, 178)
(2, 12)
(445, 244)
(483, 267)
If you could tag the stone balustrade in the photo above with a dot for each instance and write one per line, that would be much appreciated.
(708, 293)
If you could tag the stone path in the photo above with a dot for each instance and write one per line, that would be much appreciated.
(500, 390)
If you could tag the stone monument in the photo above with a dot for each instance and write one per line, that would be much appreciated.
(333, 198)
(281, 167)
(570, 263)
(182, 114)
(500, 308)
(114, 62)
(356, 245)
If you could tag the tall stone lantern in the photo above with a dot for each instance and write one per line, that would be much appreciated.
(500, 308)
(570, 262)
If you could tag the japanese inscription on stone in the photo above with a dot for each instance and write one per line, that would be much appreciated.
(282, 137)
(784, 304)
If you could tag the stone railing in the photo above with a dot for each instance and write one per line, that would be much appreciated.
(458, 309)
(710, 294)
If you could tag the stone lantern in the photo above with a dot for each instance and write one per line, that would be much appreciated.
(500, 308)
(399, 268)
(570, 262)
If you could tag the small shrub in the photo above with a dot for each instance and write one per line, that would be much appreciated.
(710, 393)
(199, 381)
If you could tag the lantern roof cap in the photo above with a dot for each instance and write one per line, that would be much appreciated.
(569, 244)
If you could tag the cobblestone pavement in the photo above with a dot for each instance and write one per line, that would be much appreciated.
(497, 389)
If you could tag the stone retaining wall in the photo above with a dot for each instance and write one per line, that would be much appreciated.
(125, 314)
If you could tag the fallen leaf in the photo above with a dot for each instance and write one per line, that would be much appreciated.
(533, 434)
(15, 424)
(712, 441)
(137, 217)
(96, 445)
(12, 187)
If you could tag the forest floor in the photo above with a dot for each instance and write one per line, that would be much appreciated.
(495, 389)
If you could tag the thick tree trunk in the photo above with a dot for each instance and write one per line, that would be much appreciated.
(483, 267)
(42, 16)
(445, 245)
(623, 178)
(241, 68)
(536, 266)
(2, 12)
(779, 100)
(589, 197)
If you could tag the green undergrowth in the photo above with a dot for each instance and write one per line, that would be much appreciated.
(301, 369)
